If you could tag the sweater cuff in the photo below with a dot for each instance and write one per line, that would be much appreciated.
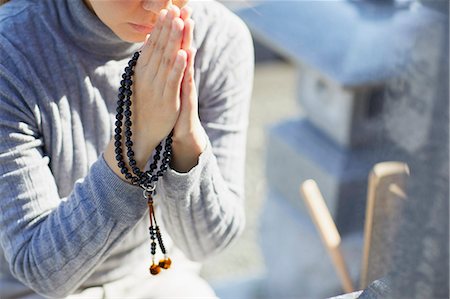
(115, 198)
(175, 181)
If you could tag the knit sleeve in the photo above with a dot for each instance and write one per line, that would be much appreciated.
(52, 244)
(203, 209)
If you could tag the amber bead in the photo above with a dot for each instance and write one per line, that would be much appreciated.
(155, 269)
(165, 263)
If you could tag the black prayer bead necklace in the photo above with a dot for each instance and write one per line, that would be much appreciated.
(145, 179)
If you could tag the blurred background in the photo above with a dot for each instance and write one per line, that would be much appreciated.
(353, 95)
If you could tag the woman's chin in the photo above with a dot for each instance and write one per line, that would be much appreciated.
(133, 38)
(131, 35)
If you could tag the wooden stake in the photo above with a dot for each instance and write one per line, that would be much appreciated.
(327, 230)
(386, 187)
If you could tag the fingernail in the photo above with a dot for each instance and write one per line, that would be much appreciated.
(175, 9)
(188, 10)
(177, 23)
(162, 13)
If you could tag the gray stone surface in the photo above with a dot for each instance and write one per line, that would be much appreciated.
(345, 50)
(352, 295)
(420, 126)
(349, 116)
(352, 42)
(418, 123)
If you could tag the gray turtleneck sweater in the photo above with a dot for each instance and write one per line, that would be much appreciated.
(67, 221)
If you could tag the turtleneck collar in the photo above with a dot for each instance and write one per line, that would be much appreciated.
(89, 32)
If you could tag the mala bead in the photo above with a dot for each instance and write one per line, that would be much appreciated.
(119, 110)
(165, 263)
(155, 269)
(144, 179)
(129, 71)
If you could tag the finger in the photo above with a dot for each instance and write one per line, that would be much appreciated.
(176, 11)
(187, 34)
(185, 13)
(170, 52)
(161, 42)
(175, 77)
(150, 44)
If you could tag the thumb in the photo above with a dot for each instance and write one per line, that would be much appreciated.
(188, 79)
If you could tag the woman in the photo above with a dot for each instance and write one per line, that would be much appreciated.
(71, 224)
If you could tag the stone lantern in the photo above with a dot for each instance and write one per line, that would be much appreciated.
(345, 53)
